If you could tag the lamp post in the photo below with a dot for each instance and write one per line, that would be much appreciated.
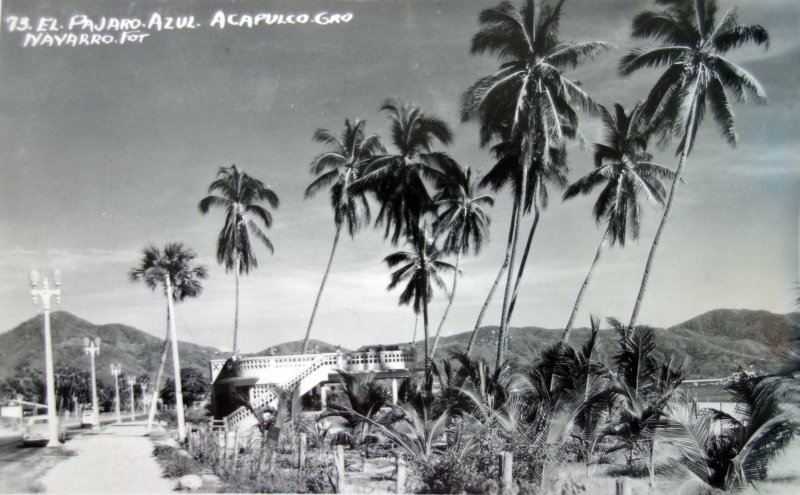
(43, 294)
(132, 382)
(143, 387)
(116, 370)
(93, 349)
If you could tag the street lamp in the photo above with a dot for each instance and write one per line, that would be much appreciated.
(132, 382)
(93, 349)
(116, 370)
(43, 294)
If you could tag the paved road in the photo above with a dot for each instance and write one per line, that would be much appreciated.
(21, 467)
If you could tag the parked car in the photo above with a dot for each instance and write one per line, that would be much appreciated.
(36, 432)
(87, 419)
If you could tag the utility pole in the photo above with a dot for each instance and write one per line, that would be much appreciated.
(93, 349)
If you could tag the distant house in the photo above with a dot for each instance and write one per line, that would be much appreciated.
(260, 380)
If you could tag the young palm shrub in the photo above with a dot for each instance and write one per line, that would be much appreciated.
(644, 387)
(360, 400)
(739, 452)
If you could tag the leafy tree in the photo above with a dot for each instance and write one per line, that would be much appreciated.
(195, 388)
(419, 269)
(624, 169)
(694, 50)
(340, 168)
(528, 94)
(240, 195)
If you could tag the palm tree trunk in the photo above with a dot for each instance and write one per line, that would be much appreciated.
(511, 234)
(524, 260)
(236, 314)
(425, 326)
(416, 324)
(175, 364)
(321, 287)
(447, 309)
(667, 210)
(571, 320)
(501, 340)
(152, 413)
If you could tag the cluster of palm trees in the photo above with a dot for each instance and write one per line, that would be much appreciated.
(527, 111)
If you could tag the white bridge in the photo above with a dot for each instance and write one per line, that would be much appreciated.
(261, 380)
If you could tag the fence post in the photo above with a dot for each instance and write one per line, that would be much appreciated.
(622, 487)
(401, 475)
(506, 470)
(235, 455)
(339, 458)
(301, 458)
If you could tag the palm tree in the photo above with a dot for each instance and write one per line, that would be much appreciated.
(240, 195)
(421, 268)
(462, 220)
(694, 49)
(173, 269)
(737, 452)
(339, 168)
(622, 165)
(529, 91)
(397, 180)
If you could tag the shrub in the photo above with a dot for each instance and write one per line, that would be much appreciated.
(175, 462)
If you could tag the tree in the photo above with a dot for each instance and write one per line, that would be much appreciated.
(419, 269)
(397, 180)
(195, 388)
(528, 93)
(339, 168)
(462, 220)
(693, 49)
(239, 194)
(624, 169)
(173, 269)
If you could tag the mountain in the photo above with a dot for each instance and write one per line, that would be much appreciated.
(138, 352)
(711, 345)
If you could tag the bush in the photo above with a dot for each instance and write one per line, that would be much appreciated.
(452, 474)
(175, 462)
(309, 481)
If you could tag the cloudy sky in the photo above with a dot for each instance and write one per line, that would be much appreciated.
(105, 149)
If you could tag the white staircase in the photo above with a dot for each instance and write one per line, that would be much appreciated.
(263, 395)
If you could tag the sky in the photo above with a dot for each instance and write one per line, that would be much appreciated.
(106, 149)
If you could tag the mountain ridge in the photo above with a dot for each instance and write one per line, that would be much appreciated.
(711, 344)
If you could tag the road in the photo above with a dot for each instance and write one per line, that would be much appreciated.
(22, 467)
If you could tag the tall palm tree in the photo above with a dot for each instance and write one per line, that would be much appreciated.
(694, 49)
(623, 167)
(239, 194)
(463, 221)
(530, 90)
(175, 270)
(339, 168)
(419, 269)
(397, 180)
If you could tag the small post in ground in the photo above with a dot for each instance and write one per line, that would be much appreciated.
(339, 459)
(301, 457)
(506, 470)
(401, 475)
(622, 488)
